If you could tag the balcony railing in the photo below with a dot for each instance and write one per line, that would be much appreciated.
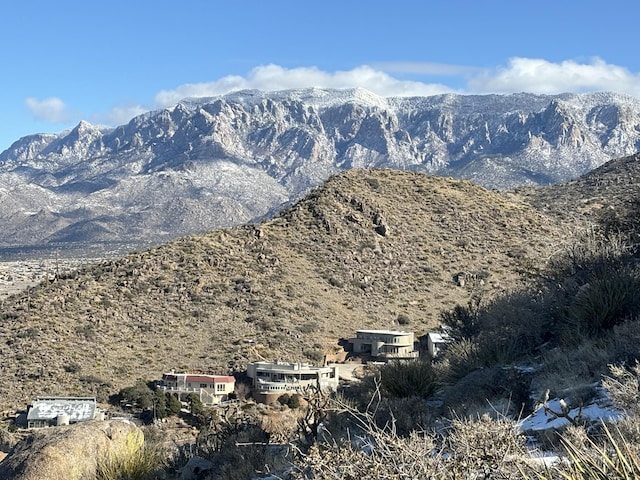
(209, 397)
(413, 354)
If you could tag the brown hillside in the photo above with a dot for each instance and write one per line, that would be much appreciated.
(610, 192)
(365, 250)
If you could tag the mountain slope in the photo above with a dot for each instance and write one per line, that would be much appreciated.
(606, 195)
(218, 162)
(361, 251)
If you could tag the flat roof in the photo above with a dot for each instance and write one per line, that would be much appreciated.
(199, 377)
(76, 408)
(290, 367)
(438, 337)
(385, 332)
(210, 378)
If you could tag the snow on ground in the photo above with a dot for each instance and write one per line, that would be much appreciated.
(541, 419)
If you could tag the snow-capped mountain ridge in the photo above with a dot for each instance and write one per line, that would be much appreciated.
(206, 163)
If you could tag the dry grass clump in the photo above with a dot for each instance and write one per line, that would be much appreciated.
(143, 463)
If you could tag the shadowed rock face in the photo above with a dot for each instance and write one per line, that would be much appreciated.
(226, 161)
(71, 452)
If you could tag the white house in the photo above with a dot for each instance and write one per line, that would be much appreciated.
(271, 380)
(212, 389)
(437, 342)
(53, 411)
(385, 344)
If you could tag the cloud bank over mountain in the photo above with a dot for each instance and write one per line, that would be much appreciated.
(530, 75)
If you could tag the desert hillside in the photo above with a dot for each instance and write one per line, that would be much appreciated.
(368, 249)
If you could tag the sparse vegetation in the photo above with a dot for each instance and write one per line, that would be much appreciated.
(408, 378)
(290, 287)
(133, 462)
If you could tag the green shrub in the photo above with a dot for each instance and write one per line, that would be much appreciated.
(173, 404)
(609, 298)
(463, 321)
(139, 395)
(284, 399)
(195, 404)
(408, 378)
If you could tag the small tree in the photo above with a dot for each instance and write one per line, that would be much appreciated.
(195, 404)
(160, 404)
(173, 404)
(139, 395)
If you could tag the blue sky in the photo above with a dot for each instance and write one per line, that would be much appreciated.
(104, 62)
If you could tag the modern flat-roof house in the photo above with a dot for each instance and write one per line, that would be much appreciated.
(270, 380)
(53, 411)
(437, 342)
(212, 389)
(385, 344)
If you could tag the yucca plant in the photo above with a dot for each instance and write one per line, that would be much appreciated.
(614, 459)
(408, 378)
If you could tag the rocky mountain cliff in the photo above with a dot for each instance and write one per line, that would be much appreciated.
(217, 162)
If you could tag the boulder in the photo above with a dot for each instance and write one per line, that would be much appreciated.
(70, 452)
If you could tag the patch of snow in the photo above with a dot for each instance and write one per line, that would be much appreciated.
(540, 419)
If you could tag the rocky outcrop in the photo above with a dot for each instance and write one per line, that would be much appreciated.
(218, 162)
(71, 452)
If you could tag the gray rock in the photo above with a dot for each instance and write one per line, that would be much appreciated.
(197, 468)
(71, 452)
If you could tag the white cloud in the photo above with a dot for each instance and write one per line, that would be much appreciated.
(520, 75)
(51, 110)
(275, 77)
(541, 76)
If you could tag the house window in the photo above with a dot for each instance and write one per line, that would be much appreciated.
(203, 385)
(220, 387)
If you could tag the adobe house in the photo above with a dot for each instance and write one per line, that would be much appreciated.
(272, 379)
(211, 389)
(385, 344)
(53, 411)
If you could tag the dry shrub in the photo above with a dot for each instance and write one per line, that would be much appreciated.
(566, 368)
(485, 389)
(623, 386)
(376, 453)
(485, 448)
(482, 448)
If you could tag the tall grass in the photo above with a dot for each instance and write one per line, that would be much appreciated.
(145, 462)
